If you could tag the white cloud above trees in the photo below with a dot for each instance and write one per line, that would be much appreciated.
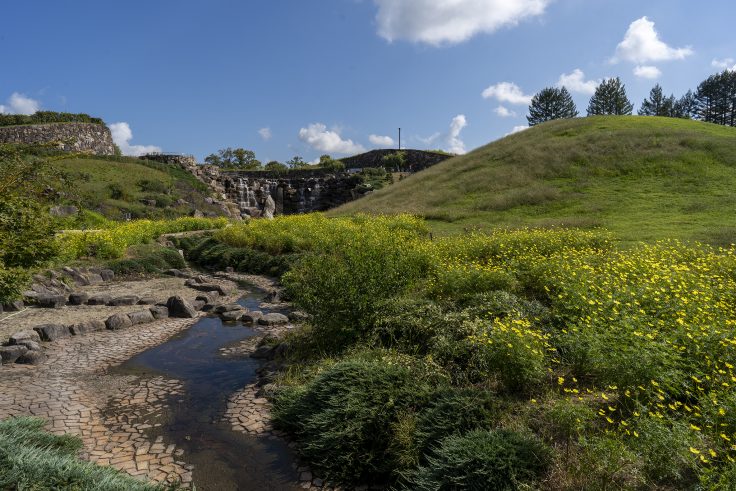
(724, 64)
(19, 103)
(507, 92)
(122, 135)
(648, 72)
(575, 82)
(454, 143)
(265, 133)
(642, 45)
(504, 112)
(320, 138)
(450, 22)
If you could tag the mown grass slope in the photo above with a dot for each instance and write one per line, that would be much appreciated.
(122, 187)
(643, 178)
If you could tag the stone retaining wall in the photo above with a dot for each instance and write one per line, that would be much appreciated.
(71, 137)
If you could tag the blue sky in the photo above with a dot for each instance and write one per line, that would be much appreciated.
(307, 77)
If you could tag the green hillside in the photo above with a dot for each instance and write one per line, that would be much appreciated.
(120, 187)
(644, 178)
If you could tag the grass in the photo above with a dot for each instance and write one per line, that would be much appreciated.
(32, 459)
(117, 187)
(643, 178)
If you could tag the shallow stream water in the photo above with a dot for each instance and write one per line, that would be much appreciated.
(222, 459)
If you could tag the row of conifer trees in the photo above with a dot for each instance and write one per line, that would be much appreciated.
(714, 101)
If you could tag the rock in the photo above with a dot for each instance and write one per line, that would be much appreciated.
(95, 278)
(223, 289)
(63, 211)
(198, 304)
(252, 316)
(26, 335)
(209, 307)
(198, 214)
(78, 298)
(124, 300)
(82, 328)
(118, 321)
(32, 358)
(14, 306)
(159, 311)
(52, 332)
(231, 316)
(51, 301)
(213, 294)
(147, 301)
(298, 316)
(229, 307)
(273, 319)
(262, 353)
(98, 299)
(180, 308)
(173, 272)
(273, 296)
(140, 317)
(204, 298)
(269, 207)
(9, 354)
(229, 269)
(77, 276)
(107, 274)
(31, 345)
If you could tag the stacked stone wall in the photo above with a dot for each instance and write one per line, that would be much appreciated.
(70, 137)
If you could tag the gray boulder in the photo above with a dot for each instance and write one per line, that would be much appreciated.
(26, 335)
(141, 317)
(297, 316)
(100, 299)
(228, 308)
(199, 304)
(273, 319)
(231, 316)
(252, 316)
(159, 311)
(32, 358)
(78, 298)
(147, 301)
(118, 321)
(9, 354)
(180, 308)
(52, 332)
(51, 301)
(63, 210)
(107, 275)
(13, 306)
(31, 345)
(82, 328)
(124, 300)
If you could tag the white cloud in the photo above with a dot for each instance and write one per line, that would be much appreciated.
(517, 129)
(20, 104)
(122, 134)
(504, 112)
(649, 72)
(575, 82)
(450, 21)
(430, 139)
(265, 133)
(724, 64)
(507, 92)
(641, 44)
(320, 138)
(454, 143)
(381, 141)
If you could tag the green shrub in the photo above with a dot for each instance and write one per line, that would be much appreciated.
(481, 459)
(408, 324)
(147, 259)
(344, 418)
(26, 233)
(12, 283)
(664, 450)
(151, 186)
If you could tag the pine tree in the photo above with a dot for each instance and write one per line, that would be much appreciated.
(657, 104)
(610, 98)
(685, 106)
(551, 103)
(715, 99)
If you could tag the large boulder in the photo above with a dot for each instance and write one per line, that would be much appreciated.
(180, 308)
(86, 327)
(14, 306)
(118, 321)
(140, 317)
(231, 316)
(52, 332)
(32, 358)
(78, 298)
(252, 317)
(107, 274)
(199, 304)
(159, 311)
(51, 301)
(229, 307)
(100, 299)
(25, 335)
(31, 345)
(9, 354)
(273, 319)
(124, 300)
(147, 301)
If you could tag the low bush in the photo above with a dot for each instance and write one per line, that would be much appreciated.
(13, 282)
(482, 459)
(147, 259)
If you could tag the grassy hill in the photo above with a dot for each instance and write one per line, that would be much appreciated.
(643, 178)
(122, 186)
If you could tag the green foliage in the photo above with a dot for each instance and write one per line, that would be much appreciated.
(297, 162)
(394, 161)
(659, 105)
(328, 163)
(146, 259)
(12, 283)
(26, 233)
(41, 117)
(152, 186)
(31, 458)
(234, 158)
(610, 99)
(549, 104)
(275, 166)
(499, 460)
(714, 101)
(344, 416)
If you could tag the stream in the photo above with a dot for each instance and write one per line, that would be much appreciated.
(223, 459)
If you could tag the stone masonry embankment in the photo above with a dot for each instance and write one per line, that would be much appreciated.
(71, 137)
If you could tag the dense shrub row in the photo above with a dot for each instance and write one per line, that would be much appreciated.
(47, 117)
(598, 367)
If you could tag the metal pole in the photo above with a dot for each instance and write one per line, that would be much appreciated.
(399, 138)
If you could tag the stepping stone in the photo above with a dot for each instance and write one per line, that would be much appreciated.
(26, 335)
(147, 301)
(98, 300)
(273, 319)
(252, 316)
(118, 321)
(159, 311)
(32, 358)
(180, 308)
(124, 300)
(51, 301)
(231, 316)
(141, 317)
(82, 328)
(52, 332)
(78, 298)
(9, 354)
(228, 308)
(107, 274)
